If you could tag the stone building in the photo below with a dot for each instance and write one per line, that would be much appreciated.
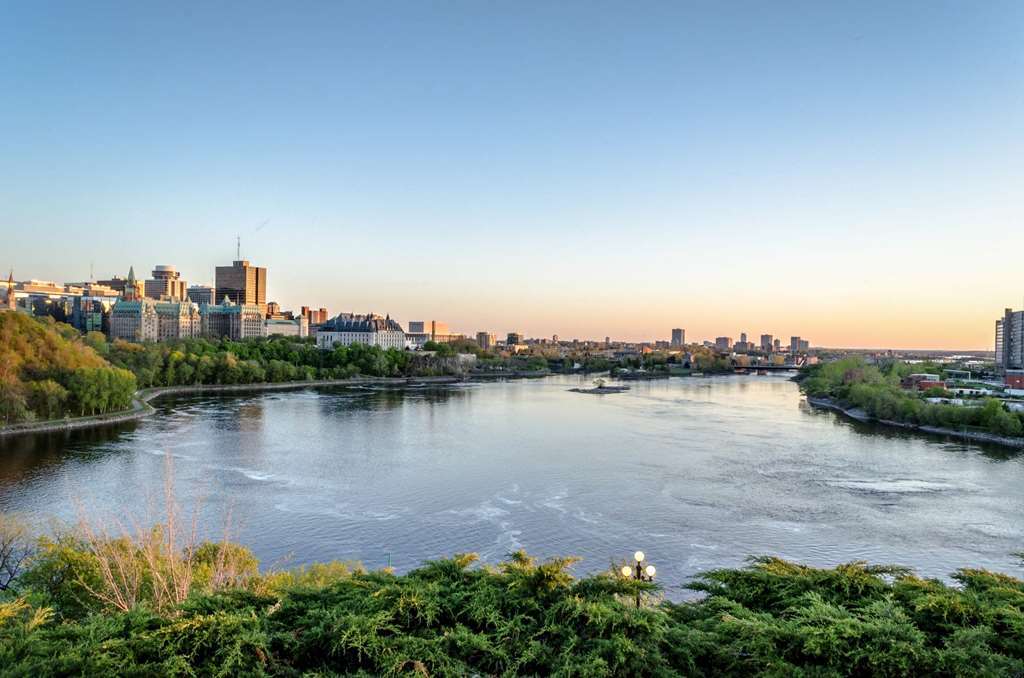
(370, 329)
(134, 320)
(177, 320)
(231, 320)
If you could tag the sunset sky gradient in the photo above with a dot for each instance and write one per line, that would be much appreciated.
(849, 172)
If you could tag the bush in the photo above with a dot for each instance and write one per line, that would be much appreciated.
(451, 618)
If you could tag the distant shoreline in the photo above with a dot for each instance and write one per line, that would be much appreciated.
(863, 417)
(141, 407)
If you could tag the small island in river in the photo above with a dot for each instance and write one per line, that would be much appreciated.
(600, 389)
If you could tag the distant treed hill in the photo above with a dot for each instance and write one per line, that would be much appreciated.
(48, 371)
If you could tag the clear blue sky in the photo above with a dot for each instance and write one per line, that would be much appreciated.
(851, 172)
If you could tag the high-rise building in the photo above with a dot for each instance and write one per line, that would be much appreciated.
(794, 344)
(202, 294)
(678, 337)
(513, 338)
(723, 343)
(166, 284)
(1010, 341)
(766, 343)
(243, 283)
(314, 316)
(484, 340)
(743, 337)
(777, 345)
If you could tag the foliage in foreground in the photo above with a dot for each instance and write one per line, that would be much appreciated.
(450, 617)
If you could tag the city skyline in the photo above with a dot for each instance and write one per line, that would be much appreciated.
(844, 174)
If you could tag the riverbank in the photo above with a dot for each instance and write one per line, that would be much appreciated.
(143, 397)
(863, 417)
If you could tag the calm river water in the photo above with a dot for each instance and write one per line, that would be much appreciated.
(698, 473)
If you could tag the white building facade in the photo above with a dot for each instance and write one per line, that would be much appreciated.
(370, 329)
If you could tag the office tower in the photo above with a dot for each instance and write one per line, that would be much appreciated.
(202, 294)
(513, 338)
(777, 345)
(794, 344)
(723, 343)
(678, 337)
(484, 340)
(243, 283)
(166, 284)
(766, 343)
(1010, 341)
(743, 338)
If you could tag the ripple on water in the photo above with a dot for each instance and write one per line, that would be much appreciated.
(891, 485)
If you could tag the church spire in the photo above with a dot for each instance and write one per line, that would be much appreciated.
(12, 302)
(131, 287)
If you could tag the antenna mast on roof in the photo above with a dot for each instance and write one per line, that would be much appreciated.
(238, 248)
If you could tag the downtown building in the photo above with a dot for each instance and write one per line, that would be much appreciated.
(422, 331)
(243, 283)
(151, 320)
(232, 320)
(287, 327)
(166, 283)
(369, 329)
(201, 294)
(1009, 341)
(678, 337)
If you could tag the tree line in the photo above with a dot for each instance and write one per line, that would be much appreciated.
(876, 390)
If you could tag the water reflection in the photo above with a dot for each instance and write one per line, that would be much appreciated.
(697, 472)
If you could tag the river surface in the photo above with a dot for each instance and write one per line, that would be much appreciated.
(698, 473)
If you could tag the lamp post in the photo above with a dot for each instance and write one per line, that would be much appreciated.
(639, 572)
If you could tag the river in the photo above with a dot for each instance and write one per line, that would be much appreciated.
(696, 472)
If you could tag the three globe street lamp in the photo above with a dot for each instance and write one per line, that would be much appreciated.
(639, 572)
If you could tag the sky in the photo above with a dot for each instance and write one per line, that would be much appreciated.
(852, 173)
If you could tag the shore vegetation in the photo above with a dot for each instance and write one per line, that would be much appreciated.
(875, 389)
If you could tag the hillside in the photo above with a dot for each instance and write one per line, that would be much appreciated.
(48, 371)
